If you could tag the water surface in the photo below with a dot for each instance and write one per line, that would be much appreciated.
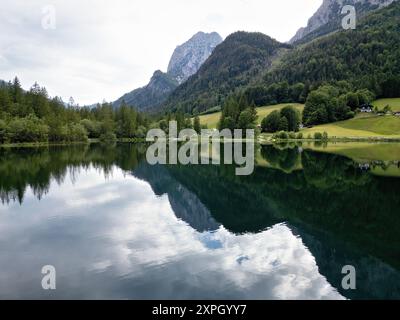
(115, 227)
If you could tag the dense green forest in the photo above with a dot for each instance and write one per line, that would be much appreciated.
(368, 57)
(238, 113)
(287, 119)
(31, 116)
(334, 103)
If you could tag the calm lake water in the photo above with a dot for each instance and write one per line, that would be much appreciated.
(115, 227)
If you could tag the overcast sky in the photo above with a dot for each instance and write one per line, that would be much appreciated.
(101, 49)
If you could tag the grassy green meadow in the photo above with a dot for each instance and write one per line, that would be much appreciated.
(361, 126)
(394, 103)
(211, 120)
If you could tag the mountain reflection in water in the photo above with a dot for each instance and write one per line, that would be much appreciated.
(116, 227)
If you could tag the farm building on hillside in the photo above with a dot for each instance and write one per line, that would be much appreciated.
(366, 108)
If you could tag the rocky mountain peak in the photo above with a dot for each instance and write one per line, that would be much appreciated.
(188, 57)
(330, 11)
(186, 61)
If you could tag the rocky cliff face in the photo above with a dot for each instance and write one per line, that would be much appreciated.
(326, 19)
(188, 57)
(185, 61)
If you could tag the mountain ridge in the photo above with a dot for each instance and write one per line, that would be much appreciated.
(328, 17)
(185, 61)
(150, 96)
(189, 56)
(367, 57)
(238, 60)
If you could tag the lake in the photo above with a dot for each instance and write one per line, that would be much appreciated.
(115, 227)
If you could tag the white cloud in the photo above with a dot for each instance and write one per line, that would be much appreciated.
(102, 49)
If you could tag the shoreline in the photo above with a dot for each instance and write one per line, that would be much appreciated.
(260, 140)
(42, 144)
(62, 144)
(377, 139)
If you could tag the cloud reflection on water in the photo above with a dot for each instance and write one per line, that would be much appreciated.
(114, 238)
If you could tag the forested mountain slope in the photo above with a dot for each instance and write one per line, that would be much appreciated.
(368, 57)
(329, 15)
(234, 64)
